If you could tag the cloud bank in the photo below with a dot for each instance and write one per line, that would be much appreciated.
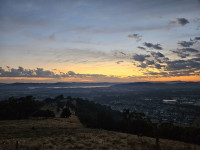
(40, 72)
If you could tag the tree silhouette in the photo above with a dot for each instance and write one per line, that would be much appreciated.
(65, 113)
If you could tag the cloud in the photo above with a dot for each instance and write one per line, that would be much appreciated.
(150, 62)
(155, 60)
(159, 66)
(185, 52)
(142, 65)
(137, 37)
(154, 46)
(190, 67)
(189, 43)
(190, 50)
(187, 65)
(122, 53)
(21, 72)
(163, 74)
(142, 48)
(140, 58)
(180, 21)
(119, 54)
(186, 44)
(41, 73)
(157, 54)
(197, 38)
(181, 54)
(118, 62)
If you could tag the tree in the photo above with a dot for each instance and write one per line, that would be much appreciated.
(65, 113)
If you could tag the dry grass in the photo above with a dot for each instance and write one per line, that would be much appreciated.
(69, 134)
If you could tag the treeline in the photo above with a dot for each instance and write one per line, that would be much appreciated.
(18, 108)
(97, 116)
(26, 107)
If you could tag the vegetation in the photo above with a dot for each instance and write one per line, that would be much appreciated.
(18, 108)
(65, 113)
(97, 116)
(94, 115)
(44, 113)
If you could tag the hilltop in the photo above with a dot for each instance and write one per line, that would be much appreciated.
(69, 133)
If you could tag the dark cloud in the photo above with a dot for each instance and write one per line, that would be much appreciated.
(190, 64)
(142, 48)
(140, 58)
(154, 46)
(181, 54)
(142, 65)
(21, 72)
(155, 60)
(186, 44)
(196, 59)
(197, 38)
(137, 37)
(150, 62)
(185, 52)
(177, 68)
(189, 50)
(159, 66)
(159, 57)
(157, 54)
(180, 21)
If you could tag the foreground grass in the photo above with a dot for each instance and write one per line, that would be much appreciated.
(69, 134)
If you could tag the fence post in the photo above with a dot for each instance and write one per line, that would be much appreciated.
(17, 145)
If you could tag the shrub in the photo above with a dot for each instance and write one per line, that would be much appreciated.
(65, 113)
(44, 113)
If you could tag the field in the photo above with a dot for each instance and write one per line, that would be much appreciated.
(69, 134)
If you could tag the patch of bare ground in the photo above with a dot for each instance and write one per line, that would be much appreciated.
(69, 134)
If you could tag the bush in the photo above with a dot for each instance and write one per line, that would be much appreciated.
(65, 113)
(44, 113)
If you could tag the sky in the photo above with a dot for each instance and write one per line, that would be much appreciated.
(99, 40)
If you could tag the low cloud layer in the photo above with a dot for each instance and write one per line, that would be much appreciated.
(40, 72)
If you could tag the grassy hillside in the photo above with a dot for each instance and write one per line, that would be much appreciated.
(69, 134)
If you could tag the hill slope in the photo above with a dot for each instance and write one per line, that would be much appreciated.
(69, 134)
